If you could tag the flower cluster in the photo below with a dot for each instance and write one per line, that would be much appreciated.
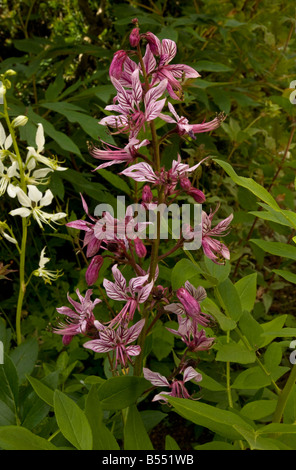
(144, 85)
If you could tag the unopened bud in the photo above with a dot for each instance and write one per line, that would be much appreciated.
(116, 65)
(185, 184)
(147, 195)
(19, 121)
(92, 272)
(197, 195)
(10, 73)
(134, 37)
(140, 248)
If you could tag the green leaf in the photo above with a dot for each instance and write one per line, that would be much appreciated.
(183, 271)
(249, 184)
(229, 299)
(217, 420)
(103, 439)
(19, 438)
(209, 306)
(218, 271)
(87, 123)
(72, 422)
(209, 383)
(171, 444)
(208, 66)
(252, 379)
(259, 409)
(24, 357)
(235, 352)
(7, 415)
(117, 393)
(42, 390)
(115, 180)
(162, 341)
(277, 248)
(247, 289)
(59, 137)
(135, 434)
(251, 329)
(279, 428)
(290, 277)
(215, 445)
(256, 442)
(270, 327)
(9, 389)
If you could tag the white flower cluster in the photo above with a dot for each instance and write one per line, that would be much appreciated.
(33, 202)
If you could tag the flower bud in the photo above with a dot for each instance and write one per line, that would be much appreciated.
(116, 66)
(67, 339)
(185, 183)
(153, 42)
(147, 195)
(19, 121)
(197, 195)
(10, 73)
(92, 272)
(134, 37)
(140, 248)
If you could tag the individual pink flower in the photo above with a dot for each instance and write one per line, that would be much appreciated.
(118, 340)
(131, 119)
(195, 339)
(133, 294)
(214, 249)
(177, 387)
(183, 126)
(189, 307)
(162, 69)
(90, 239)
(115, 155)
(80, 320)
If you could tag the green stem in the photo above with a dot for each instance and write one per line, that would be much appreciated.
(22, 288)
(22, 284)
(284, 395)
(228, 386)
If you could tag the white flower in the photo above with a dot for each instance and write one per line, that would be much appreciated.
(36, 154)
(4, 226)
(48, 276)
(33, 203)
(5, 142)
(6, 174)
